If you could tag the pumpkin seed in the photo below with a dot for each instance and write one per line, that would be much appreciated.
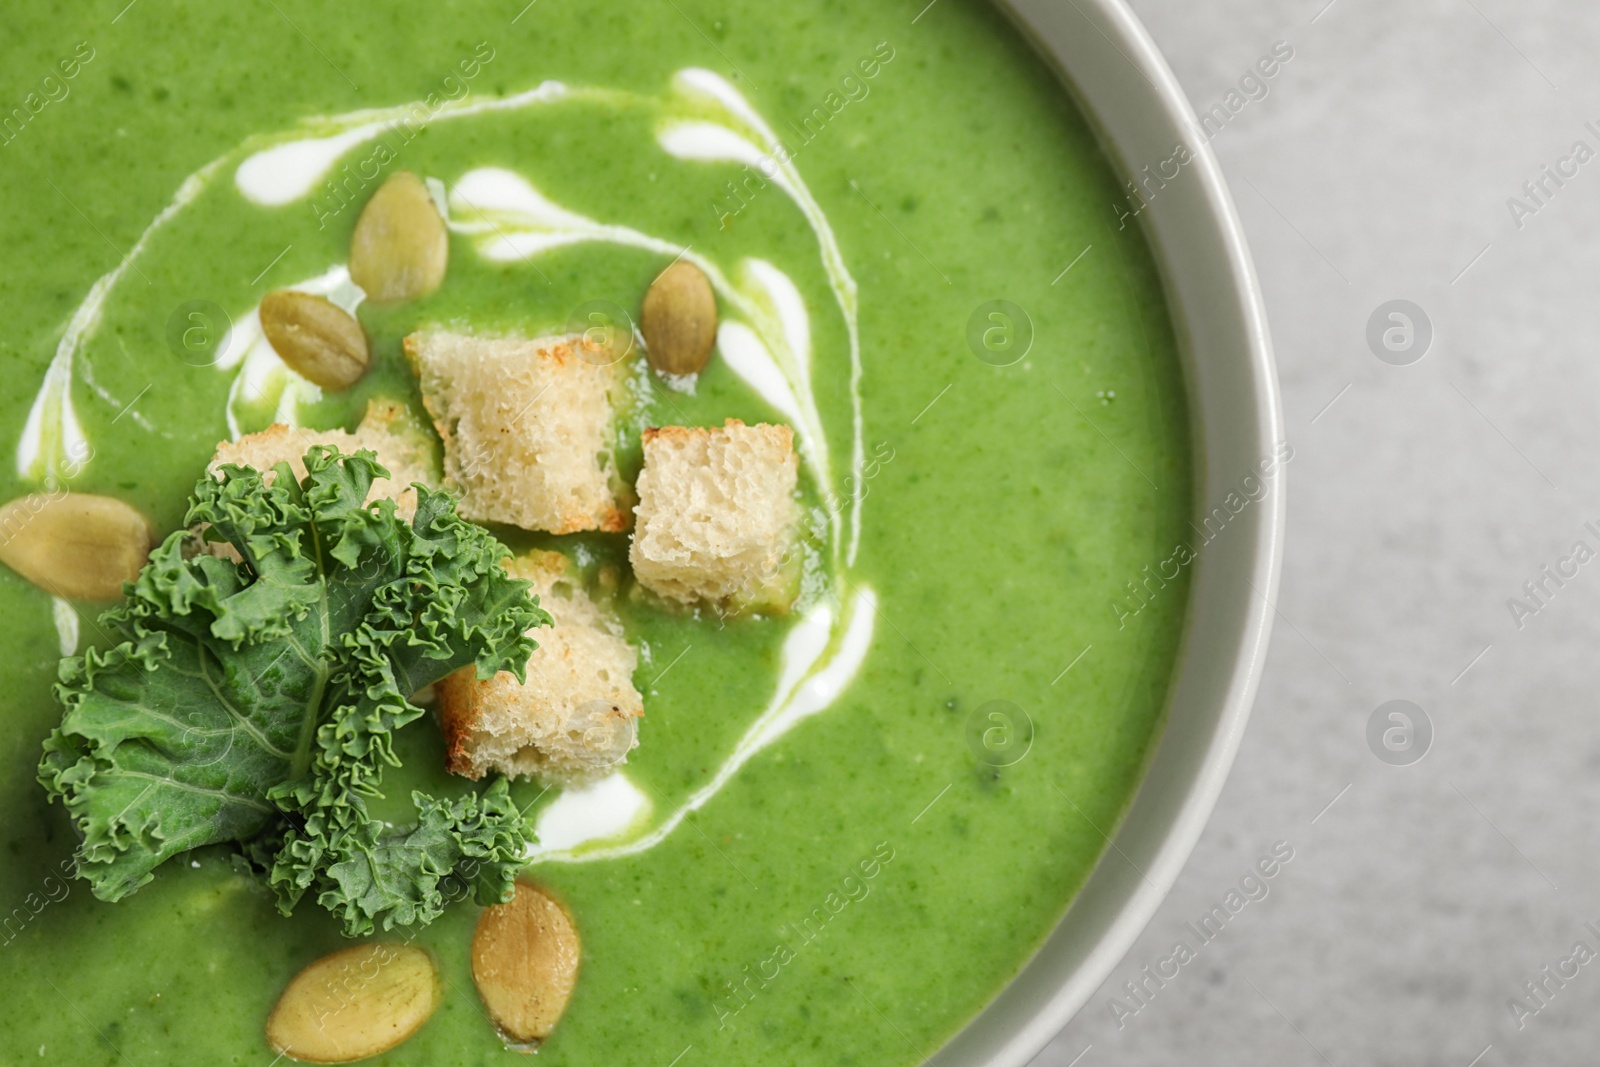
(74, 545)
(355, 1003)
(525, 961)
(319, 340)
(679, 320)
(400, 246)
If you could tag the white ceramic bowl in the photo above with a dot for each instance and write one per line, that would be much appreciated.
(1124, 86)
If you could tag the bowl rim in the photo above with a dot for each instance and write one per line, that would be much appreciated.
(1123, 85)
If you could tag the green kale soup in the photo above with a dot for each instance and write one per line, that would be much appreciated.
(845, 827)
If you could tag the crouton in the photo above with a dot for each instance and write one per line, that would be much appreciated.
(717, 516)
(401, 448)
(527, 428)
(573, 719)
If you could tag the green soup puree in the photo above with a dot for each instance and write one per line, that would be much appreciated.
(864, 883)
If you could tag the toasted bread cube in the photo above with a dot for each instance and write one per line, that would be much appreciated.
(717, 516)
(527, 427)
(401, 448)
(573, 719)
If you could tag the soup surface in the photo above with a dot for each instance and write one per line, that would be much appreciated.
(969, 336)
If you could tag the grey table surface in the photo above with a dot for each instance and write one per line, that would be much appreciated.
(1387, 161)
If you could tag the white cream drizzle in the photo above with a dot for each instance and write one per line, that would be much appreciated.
(65, 617)
(744, 137)
(53, 443)
(747, 357)
(766, 341)
(287, 172)
(601, 811)
(802, 691)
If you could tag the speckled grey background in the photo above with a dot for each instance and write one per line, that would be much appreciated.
(1421, 499)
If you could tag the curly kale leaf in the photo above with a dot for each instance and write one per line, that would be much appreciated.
(255, 701)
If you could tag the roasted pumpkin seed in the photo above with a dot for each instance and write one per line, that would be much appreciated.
(525, 960)
(354, 1003)
(679, 320)
(74, 545)
(400, 246)
(316, 338)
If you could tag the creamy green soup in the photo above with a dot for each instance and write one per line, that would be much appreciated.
(844, 875)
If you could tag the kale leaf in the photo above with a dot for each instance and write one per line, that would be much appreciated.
(255, 701)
